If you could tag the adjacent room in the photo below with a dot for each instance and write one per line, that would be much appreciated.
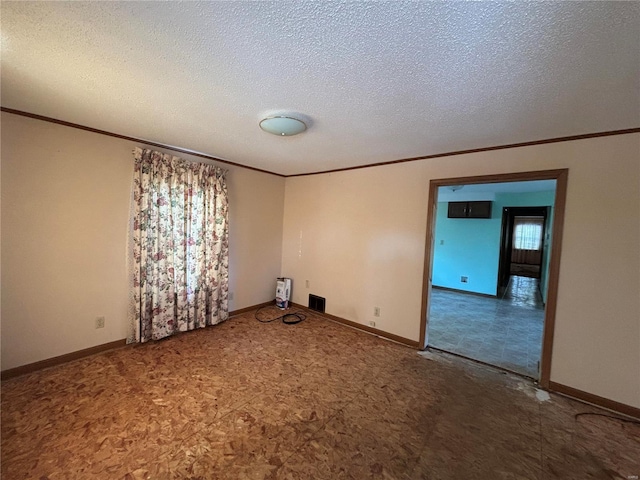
(490, 272)
(320, 240)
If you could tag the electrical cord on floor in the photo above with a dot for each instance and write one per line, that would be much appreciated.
(614, 417)
(287, 318)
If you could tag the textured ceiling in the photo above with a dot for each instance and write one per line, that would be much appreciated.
(376, 81)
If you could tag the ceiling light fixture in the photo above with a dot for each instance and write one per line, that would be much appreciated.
(455, 187)
(283, 126)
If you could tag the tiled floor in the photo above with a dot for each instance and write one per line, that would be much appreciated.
(317, 400)
(506, 332)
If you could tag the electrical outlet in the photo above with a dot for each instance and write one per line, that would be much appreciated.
(230, 295)
(441, 242)
(376, 311)
(100, 322)
(464, 279)
(372, 323)
(306, 283)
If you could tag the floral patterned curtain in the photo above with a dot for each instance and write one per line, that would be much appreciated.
(179, 246)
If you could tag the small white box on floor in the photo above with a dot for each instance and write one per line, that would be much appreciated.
(283, 293)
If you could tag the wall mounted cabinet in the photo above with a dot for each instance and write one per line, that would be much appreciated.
(469, 209)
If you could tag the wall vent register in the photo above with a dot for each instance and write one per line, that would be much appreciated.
(316, 303)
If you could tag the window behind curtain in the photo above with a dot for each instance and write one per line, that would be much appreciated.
(179, 246)
(527, 234)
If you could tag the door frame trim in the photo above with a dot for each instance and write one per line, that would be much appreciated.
(561, 177)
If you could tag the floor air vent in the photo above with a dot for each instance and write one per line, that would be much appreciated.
(316, 303)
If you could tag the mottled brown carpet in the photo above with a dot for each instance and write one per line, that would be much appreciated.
(312, 401)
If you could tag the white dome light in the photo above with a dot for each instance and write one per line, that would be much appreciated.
(283, 126)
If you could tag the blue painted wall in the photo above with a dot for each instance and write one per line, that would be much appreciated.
(471, 247)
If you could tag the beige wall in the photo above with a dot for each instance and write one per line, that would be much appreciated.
(358, 237)
(65, 208)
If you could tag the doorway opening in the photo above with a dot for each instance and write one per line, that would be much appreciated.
(491, 268)
(524, 243)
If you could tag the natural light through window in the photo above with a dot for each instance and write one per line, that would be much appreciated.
(528, 236)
